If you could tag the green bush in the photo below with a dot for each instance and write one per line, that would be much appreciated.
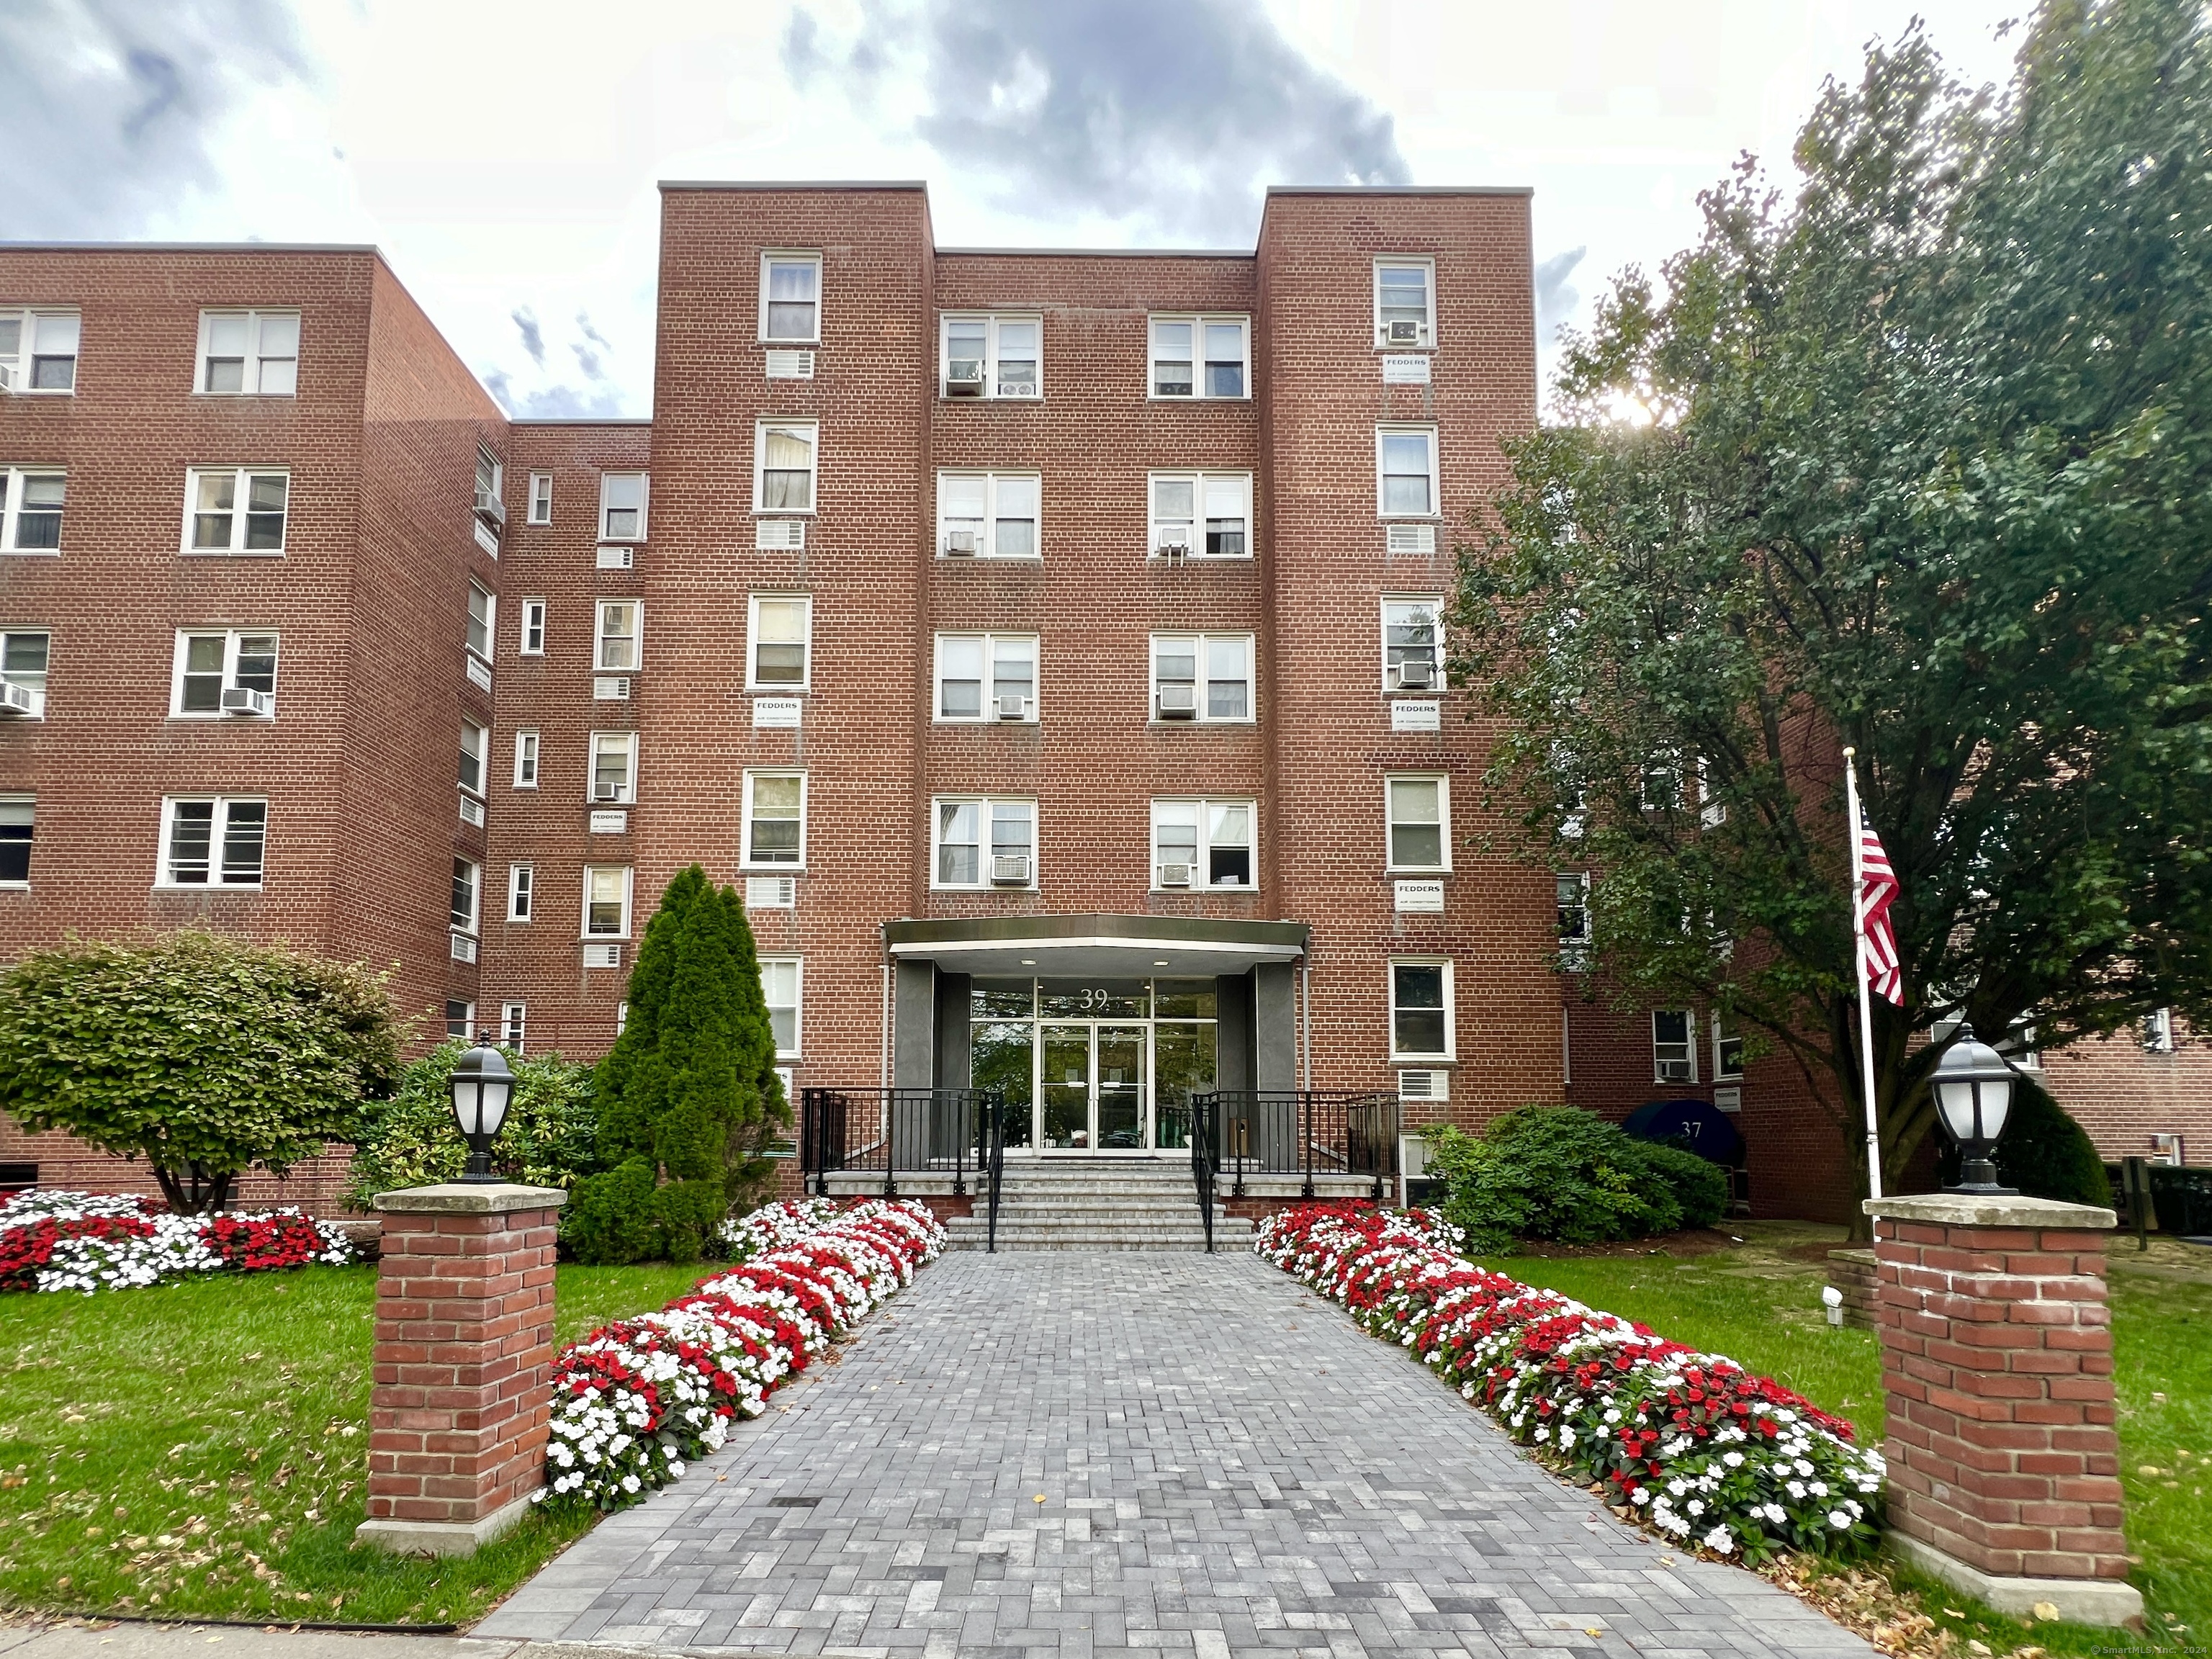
(204, 1055)
(1562, 1173)
(2046, 1154)
(411, 1140)
(611, 1219)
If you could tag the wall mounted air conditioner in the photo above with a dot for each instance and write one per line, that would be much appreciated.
(1175, 875)
(606, 790)
(959, 543)
(1410, 538)
(617, 558)
(1178, 701)
(603, 956)
(1417, 674)
(771, 892)
(464, 948)
(472, 810)
(964, 378)
(790, 365)
(489, 507)
(1401, 332)
(1013, 705)
(1425, 1086)
(1010, 869)
(779, 535)
(243, 700)
(610, 688)
(21, 702)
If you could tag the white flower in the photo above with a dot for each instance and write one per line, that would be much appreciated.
(1719, 1539)
(1839, 1520)
(1641, 1495)
(1734, 1460)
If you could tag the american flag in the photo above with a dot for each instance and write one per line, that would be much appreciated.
(1877, 890)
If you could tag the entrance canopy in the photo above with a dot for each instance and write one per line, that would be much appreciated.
(1079, 946)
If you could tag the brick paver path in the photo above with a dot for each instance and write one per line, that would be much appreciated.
(1227, 1466)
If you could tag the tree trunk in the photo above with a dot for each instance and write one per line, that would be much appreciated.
(194, 1190)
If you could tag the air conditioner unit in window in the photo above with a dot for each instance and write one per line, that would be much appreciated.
(606, 790)
(464, 948)
(617, 558)
(22, 702)
(489, 507)
(1417, 674)
(1173, 544)
(1424, 1085)
(1673, 1071)
(1012, 706)
(1410, 538)
(610, 688)
(1401, 332)
(1009, 869)
(960, 544)
(1018, 388)
(1175, 875)
(244, 700)
(1178, 701)
(964, 378)
(472, 810)
(603, 956)
(773, 535)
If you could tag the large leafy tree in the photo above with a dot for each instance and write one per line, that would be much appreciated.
(203, 1055)
(685, 1099)
(1919, 462)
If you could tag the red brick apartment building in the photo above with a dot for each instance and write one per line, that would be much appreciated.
(1047, 641)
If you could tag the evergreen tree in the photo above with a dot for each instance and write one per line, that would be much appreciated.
(689, 1092)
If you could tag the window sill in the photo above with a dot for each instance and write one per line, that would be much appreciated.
(1157, 397)
(30, 552)
(985, 887)
(778, 690)
(43, 392)
(773, 344)
(771, 869)
(1409, 517)
(1416, 873)
(219, 719)
(990, 558)
(206, 887)
(1386, 349)
(1197, 891)
(1426, 1062)
(1172, 725)
(604, 938)
(233, 553)
(944, 397)
(769, 512)
(982, 720)
(242, 396)
(1157, 557)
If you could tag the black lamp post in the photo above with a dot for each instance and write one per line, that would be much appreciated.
(482, 1086)
(1973, 1094)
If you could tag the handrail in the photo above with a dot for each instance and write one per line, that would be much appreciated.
(1204, 1161)
(992, 1161)
(892, 1132)
(1304, 1132)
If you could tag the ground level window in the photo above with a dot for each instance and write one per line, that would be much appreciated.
(780, 989)
(461, 1020)
(514, 1019)
(16, 814)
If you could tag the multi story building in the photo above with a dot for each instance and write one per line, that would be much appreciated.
(1049, 643)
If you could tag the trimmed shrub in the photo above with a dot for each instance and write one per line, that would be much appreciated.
(1700, 1187)
(410, 1140)
(1562, 1173)
(2046, 1154)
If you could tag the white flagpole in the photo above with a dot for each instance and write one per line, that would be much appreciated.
(1859, 961)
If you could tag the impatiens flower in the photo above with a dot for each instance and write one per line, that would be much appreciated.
(1719, 1541)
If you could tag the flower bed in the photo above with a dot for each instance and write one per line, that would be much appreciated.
(1690, 1443)
(637, 1400)
(88, 1241)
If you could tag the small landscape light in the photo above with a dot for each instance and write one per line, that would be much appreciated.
(482, 1086)
(1974, 1097)
(1834, 1298)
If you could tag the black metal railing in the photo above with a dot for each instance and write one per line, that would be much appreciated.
(1203, 1141)
(895, 1131)
(991, 1160)
(1302, 1131)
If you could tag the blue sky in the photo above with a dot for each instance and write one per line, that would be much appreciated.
(504, 155)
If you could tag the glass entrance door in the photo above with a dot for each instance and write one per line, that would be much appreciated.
(1094, 1066)
(1064, 1101)
(1093, 1093)
(1117, 1102)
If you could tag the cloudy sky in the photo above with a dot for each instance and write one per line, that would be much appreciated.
(503, 154)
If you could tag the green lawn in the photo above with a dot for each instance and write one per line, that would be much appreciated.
(1762, 1307)
(200, 1448)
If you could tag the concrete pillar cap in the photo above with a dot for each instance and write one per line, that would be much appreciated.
(1976, 1210)
(471, 1198)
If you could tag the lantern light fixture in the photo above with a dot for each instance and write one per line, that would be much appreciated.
(1973, 1089)
(482, 1085)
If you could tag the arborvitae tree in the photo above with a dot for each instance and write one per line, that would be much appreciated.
(688, 1092)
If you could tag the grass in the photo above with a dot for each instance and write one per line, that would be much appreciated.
(199, 1448)
(1761, 1306)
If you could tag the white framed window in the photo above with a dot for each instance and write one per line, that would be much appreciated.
(1200, 356)
(37, 350)
(482, 608)
(2158, 1032)
(1200, 515)
(1206, 677)
(791, 298)
(785, 455)
(1405, 303)
(17, 813)
(533, 628)
(989, 354)
(1406, 471)
(619, 635)
(1422, 1026)
(468, 891)
(781, 983)
(525, 759)
(622, 506)
(250, 353)
(1673, 1055)
(476, 742)
(1574, 911)
(982, 841)
(1728, 1048)
(461, 1020)
(521, 890)
(1204, 845)
(31, 508)
(779, 640)
(491, 483)
(774, 821)
(990, 515)
(24, 653)
(614, 768)
(1412, 643)
(541, 498)
(606, 901)
(208, 664)
(1419, 813)
(514, 1024)
(213, 840)
(987, 676)
(235, 509)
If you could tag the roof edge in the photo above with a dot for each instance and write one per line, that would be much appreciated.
(921, 185)
(191, 247)
(579, 420)
(1106, 253)
(1401, 190)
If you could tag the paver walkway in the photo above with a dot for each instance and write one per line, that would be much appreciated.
(1227, 1466)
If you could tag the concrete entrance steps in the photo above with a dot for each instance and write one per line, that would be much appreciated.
(1098, 1203)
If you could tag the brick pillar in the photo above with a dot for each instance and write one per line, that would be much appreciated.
(463, 1364)
(1996, 1373)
